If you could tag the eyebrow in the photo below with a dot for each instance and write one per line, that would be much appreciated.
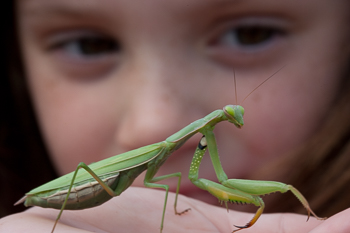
(61, 7)
(37, 10)
(72, 8)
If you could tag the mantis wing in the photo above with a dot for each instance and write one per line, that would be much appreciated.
(113, 165)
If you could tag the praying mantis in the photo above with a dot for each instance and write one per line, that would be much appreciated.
(98, 182)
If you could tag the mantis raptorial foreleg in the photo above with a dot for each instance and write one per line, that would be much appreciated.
(237, 190)
(257, 187)
(100, 181)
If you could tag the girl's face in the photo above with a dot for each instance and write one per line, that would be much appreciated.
(110, 76)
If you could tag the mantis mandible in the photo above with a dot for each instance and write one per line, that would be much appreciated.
(97, 183)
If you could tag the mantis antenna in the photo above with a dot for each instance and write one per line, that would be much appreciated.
(115, 174)
(234, 80)
(259, 84)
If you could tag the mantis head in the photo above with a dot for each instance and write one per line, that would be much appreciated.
(234, 114)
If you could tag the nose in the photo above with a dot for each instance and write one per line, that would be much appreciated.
(156, 108)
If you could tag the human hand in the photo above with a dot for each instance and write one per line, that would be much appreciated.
(140, 210)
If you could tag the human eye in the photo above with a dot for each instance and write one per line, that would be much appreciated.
(248, 39)
(84, 46)
(83, 53)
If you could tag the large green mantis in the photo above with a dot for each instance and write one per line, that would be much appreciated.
(100, 181)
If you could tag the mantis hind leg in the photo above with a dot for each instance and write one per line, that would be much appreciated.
(93, 174)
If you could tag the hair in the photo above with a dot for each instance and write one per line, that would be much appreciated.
(321, 165)
(24, 161)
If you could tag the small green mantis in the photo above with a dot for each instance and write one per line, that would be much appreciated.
(100, 181)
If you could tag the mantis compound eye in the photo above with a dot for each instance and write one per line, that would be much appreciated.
(234, 114)
(241, 109)
(230, 110)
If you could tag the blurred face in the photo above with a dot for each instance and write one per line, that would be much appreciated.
(110, 76)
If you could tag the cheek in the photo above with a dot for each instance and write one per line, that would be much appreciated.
(270, 135)
(78, 124)
(285, 118)
(76, 134)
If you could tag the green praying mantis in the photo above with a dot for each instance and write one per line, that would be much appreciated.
(98, 182)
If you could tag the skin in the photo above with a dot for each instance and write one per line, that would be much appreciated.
(202, 218)
(174, 65)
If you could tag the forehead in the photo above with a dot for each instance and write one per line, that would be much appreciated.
(49, 7)
(117, 13)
